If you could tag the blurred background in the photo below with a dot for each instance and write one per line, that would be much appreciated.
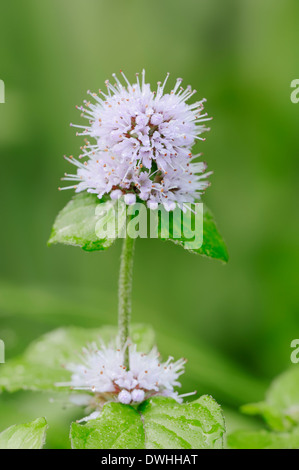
(233, 322)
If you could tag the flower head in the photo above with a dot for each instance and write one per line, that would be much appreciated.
(103, 376)
(143, 142)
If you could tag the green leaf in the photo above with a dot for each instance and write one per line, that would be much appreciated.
(196, 425)
(212, 246)
(76, 224)
(41, 366)
(118, 427)
(81, 221)
(263, 440)
(281, 407)
(25, 436)
(158, 423)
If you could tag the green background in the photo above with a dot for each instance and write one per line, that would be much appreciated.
(233, 322)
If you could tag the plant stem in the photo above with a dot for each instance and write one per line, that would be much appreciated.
(125, 293)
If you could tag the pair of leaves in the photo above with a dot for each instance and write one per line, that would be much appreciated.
(158, 423)
(25, 436)
(280, 410)
(81, 219)
(40, 367)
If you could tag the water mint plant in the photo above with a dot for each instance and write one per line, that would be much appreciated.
(141, 153)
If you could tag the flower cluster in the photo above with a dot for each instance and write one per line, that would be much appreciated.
(142, 144)
(101, 373)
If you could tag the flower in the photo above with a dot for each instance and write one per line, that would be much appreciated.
(143, 142)
(103, 376)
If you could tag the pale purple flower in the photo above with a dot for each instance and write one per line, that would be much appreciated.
(142, 144)
(101, 374)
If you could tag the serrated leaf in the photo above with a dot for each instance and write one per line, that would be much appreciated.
(281, 407)
(40, 367)
(263, 440)
(158, 423)
(76, 224)
(25, 436)
(118, 427)
(213, 245)
(169, 425)
(81, 221)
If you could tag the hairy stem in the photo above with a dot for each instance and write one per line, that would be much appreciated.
(125, 293)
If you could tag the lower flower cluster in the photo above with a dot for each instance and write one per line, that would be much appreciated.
(101, 373)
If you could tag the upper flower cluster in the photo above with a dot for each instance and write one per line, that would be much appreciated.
(143, 142)
(102, 373)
